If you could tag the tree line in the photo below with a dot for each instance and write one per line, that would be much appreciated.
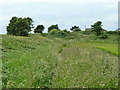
(22, 27)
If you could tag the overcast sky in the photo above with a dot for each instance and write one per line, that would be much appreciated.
(65, 13)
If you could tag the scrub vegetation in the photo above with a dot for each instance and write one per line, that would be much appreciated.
(46, 62)
(60, 59)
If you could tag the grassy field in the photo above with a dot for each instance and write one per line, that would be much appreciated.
(43, 62)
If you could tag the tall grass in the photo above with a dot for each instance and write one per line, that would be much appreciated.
(24, 67)
(0, 62)
(42, 62)
(86, 67)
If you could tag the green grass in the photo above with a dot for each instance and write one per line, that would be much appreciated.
(43, 62)
(0, 63)
(27, 67)
(110, 48)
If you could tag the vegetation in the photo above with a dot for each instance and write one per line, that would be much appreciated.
(58, 33)
(113, 32)
(20, 26)
(66, 31)
(75, 28)
(39, 29)
(60, 59)
(47, 62)
(103, 36)
(97, 28)
(53, 27)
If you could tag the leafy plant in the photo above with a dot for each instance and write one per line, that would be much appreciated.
(20, 26)
(75, 28)
(97, 27)
(103, 36)
(53, 27)
(58, 33)
(39, 29)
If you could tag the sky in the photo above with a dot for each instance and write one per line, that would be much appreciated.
(65, 13)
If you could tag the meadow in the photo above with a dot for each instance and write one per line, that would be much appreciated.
(37, 61)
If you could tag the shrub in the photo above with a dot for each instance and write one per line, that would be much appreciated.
(75, 28)
(112, 32)
(53, 31)
(53, 27)
(118, 32)
(58, 33)
(65, 30)
(103, 36)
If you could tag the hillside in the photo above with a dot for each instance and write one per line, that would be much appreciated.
(79, 61)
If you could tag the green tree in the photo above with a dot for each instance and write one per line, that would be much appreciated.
(39, 29)
(66, 31)
(75, 28)
(97, 27)
(53, 27)
(20, 26)
(11, 27)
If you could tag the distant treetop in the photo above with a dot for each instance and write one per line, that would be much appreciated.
(53, 27)
(75, 28)
(39, 29)
(20, 26)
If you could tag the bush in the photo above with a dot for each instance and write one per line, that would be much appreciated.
(103, 36)
(118, 32)
(53, 31)
(53, 27)
(58, 33)
(112, 32)
(76, 30)
(66, 31)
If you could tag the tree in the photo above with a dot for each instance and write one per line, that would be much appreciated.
(75, 28)
(97, 27)
(65, 30)
(11, 27)
(39, 29)
(53, 27)
(19, 26)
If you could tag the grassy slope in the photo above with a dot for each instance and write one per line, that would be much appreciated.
(38, 61)
(0, 63)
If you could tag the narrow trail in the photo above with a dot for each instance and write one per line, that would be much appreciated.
(54, 63)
